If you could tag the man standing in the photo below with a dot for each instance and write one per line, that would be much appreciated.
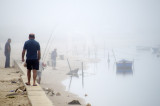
(7, 53)
(53, 57)
(32, 57)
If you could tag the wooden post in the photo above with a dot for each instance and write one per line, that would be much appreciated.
(82, 76)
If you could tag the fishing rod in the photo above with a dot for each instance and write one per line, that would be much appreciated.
(69, 65)
(48, 49)
(47, 46)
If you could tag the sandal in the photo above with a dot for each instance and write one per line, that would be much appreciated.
(27, 83)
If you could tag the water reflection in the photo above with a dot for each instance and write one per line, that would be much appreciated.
(104, 84)
(71, 77)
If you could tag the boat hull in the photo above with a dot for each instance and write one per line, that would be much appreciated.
(124, 67)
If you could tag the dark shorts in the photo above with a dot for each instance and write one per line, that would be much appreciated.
(32, 64)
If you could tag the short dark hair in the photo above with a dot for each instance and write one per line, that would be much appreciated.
(9, 39)
(31, 35)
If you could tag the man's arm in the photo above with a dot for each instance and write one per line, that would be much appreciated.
(39, 54)
(23, 53)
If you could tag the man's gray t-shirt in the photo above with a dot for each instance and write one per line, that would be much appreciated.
(32, 47)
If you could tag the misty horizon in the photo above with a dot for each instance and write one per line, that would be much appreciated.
(136, 20)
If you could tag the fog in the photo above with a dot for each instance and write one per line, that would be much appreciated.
(136, 20)
(104, 30)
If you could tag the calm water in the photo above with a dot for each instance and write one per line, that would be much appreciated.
(106, 88)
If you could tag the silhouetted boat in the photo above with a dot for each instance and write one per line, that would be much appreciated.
(73, 72)
(124, 66)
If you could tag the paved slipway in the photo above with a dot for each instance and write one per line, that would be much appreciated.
(36, 95)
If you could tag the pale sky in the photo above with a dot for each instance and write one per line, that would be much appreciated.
(135, 19)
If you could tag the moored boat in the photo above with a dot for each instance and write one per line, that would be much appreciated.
(124, 66)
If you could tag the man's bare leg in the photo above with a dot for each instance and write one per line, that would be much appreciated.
(28, 76)
(39, 80)
(34, 77)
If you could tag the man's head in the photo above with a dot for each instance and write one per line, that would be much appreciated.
(31, 36)
(9, 40)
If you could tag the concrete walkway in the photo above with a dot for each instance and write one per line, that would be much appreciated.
(36, 95)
